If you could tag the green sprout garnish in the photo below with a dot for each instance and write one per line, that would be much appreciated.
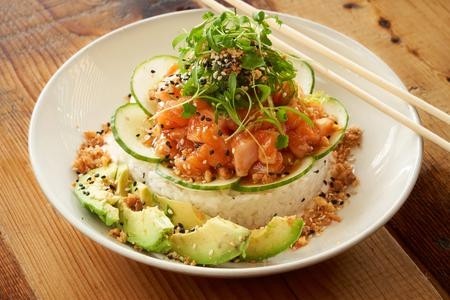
(231, 65)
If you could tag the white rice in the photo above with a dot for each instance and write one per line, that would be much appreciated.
(251, 210)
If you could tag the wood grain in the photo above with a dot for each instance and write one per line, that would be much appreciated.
(42, 255)
(12, 280)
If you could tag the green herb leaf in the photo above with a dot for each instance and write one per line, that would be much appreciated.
(265, 92)
(259, 16)
(282, 141)
(282, 115)
(252, 61)
(207, 15)
(178, 39)
(188, 110)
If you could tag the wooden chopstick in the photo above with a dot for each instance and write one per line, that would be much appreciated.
(342, 60)
(422, 131)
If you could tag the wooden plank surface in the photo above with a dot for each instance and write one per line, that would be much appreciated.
(41, 255)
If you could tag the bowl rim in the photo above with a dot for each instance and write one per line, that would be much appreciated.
(215, 271)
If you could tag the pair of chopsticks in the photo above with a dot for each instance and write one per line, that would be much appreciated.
(336, 57)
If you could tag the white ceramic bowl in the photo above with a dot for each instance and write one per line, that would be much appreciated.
(85, 91)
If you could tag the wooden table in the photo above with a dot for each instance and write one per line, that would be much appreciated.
(42, 256)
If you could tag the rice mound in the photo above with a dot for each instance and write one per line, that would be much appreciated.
(251, 210)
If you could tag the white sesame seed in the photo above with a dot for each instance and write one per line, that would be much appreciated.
(211, 252)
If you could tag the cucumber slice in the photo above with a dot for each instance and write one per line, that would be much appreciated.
(305, 75)
(218, 184)
(302, 167)
(128, 126)
(335, 108)
(146, 76)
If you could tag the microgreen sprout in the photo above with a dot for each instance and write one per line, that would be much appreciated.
(231, 65)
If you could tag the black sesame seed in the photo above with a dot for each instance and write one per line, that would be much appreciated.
(138, 135)
(211, 152)
(303, 200)
(202, 118)
(219, 132)
(96, 175)
(227, 153)
(325, 182)
(334, 201)
(103, 177)
(208, 119)
(152, 71)
(322, 194)
(134, 183)
(316, 171)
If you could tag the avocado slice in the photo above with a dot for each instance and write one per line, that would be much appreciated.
(94, 192)
(122, 180)
(215, 242)
(143, 192)
(148, 228)
(278, 235)
(181, 212)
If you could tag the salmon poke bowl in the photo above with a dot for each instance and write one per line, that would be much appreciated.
(212, 150)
